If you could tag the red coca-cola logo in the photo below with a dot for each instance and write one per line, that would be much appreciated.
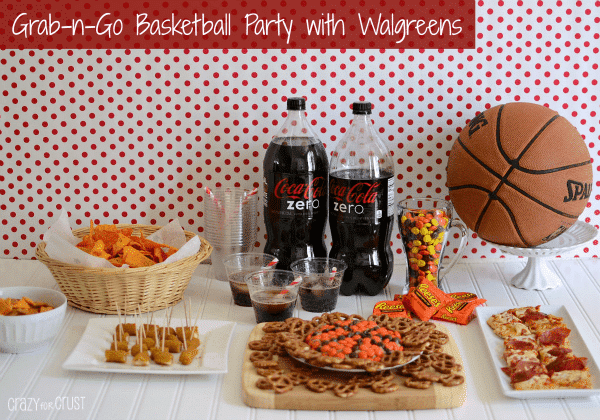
(359, 193)
(311, 190)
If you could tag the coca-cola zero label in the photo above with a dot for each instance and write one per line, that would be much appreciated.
(361, 201)
(294, 194)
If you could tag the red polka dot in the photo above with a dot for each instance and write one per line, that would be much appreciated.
(132, 136)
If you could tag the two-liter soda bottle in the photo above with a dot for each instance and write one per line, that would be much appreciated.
(361, 205)
(296, 174)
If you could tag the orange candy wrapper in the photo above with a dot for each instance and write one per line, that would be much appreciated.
(464, 296)
(459, 311)
(425, 299)
(428, 302)
(391, 308)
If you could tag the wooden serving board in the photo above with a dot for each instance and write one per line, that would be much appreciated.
(300, 398)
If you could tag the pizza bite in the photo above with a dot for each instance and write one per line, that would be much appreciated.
(538, 321)
(507, 325)
(513, 357)
(570, 372)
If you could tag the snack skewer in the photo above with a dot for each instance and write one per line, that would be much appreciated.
(184, 340)
(137, 332)
(169, 315)
(121, 331)
(188, 355)
(185, 312)
(188, 318)
(197, 316)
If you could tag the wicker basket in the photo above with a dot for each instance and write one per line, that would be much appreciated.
(149, 288)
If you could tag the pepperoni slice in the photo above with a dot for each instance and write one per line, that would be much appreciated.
(555, 336)
(563, 363)
(531, 315)
(525, 370)
(517, 344)
(559, 352)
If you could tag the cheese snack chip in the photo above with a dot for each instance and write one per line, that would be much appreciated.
(135, 259)
(121, 247)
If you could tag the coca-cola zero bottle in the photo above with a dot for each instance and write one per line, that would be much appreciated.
(296, 174)
(361, 206)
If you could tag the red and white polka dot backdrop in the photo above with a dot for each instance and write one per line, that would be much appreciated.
(133, 136)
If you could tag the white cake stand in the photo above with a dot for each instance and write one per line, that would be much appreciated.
(537, 275)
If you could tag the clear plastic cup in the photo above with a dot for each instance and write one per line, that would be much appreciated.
(319, 290)
(238, 266)
(273, 294)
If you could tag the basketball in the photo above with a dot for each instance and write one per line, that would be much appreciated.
(519, 174)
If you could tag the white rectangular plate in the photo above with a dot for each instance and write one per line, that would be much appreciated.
(88, 355)
(495, 346)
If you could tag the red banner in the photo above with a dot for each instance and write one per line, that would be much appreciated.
(209, 24)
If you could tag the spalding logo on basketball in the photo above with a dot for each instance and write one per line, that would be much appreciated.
(519, 175)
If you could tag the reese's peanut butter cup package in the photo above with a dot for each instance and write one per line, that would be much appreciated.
(425, 299)
(392, 308)
(468, 296)
(459, 311)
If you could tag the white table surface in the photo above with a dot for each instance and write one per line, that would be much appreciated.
(39, 377)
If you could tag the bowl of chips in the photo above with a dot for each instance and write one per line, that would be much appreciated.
(144, 283)
(30, 317)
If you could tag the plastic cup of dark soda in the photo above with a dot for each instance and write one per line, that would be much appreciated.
(273, 294)
(320, 287)
(237, 267)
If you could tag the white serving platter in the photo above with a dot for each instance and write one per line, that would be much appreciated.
(495, 346)
(88, 355)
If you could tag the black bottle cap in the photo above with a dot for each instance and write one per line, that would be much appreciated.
(361, 108)
(296, 104)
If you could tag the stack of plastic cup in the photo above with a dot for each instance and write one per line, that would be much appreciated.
(230, 223)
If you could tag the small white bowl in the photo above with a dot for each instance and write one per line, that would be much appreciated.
(26, 333)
